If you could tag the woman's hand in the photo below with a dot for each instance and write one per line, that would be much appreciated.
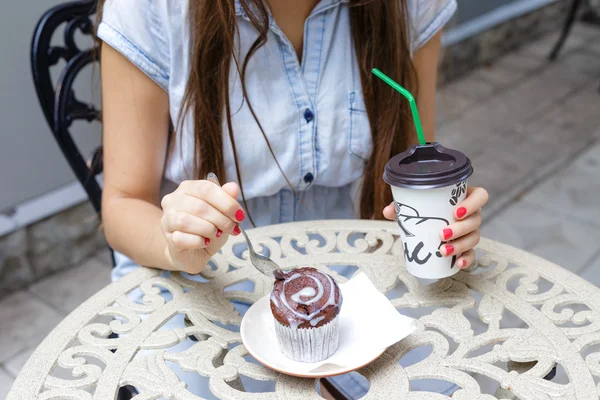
(197, 220)
(462, 236)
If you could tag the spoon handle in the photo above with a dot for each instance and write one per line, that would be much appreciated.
(213, 178)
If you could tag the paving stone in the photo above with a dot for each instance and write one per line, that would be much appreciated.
(55, 243)
(68, 252)
(68, 289)
(585, 32)
(593, 46)
(104, 256)
(512, 160)
(499, 75)
(64, 239)
(471, 88)
(541, 48)
(449, 105)
(576, 115)
(14, 364)
(521, 61)
(6, 382)
(466, 134)
(506, 110)
(584, 62)
(591, 273)
(76, 222)
(15, 270)
(25, 322)
(575, 191)
(563, 241)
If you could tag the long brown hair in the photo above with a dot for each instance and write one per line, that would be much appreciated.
(380, 32)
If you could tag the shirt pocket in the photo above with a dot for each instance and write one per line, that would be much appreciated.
(360, 143)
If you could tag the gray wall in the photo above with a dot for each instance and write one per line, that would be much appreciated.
(469, 9)
(30, 161)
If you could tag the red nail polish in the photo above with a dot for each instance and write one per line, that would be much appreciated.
(236, 230)
(461, 212)
(206, 241)
(447, 233)
(463, 263)
(239, 215)
(449, 249)
(219, 233)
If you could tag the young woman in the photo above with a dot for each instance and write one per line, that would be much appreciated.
(274, 96)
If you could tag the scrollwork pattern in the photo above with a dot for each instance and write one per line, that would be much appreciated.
(511, 318)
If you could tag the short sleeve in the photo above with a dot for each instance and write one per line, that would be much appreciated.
(135, 29)
(427, 17)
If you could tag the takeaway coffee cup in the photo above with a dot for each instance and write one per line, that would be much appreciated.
(427, 182)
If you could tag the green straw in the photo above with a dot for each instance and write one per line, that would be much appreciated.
(411, 100)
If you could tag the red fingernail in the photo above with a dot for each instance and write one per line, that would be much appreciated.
(219, 233)
(449, 249)
(239, 215)
(463, 263)
(236, 230)
(447, 233)
(206, 241)
(461, 212)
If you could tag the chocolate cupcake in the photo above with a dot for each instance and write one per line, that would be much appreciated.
(305, 303)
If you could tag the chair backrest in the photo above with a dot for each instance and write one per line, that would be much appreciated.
(59, 104)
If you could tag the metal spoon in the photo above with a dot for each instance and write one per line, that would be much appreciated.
(260, 262)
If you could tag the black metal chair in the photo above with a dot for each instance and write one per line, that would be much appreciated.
(59, 104)
(589, 16)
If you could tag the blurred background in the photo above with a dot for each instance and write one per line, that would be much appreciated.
(529, 121)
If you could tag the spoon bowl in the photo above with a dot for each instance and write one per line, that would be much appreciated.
(262, 263)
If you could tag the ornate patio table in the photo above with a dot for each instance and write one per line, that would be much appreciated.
(511, 319)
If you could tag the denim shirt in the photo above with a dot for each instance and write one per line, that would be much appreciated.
(312, 111)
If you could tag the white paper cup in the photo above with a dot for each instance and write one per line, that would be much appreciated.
(427, 183)
(422, 215)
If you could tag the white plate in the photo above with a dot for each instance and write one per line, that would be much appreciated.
(258, 335)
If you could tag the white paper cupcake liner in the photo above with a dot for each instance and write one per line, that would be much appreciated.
(309, 344)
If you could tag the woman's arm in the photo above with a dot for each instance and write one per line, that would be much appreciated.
(136, 123)
(426, 61)
(187, 227)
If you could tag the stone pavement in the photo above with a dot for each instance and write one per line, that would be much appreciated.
(532, 130)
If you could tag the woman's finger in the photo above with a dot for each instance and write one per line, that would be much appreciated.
(200, 208)
(466, 259)
(461, 228)
(190, 224)
(216, 197)
(476, 199)
(461, 245)
(389, 211)
(180, 241)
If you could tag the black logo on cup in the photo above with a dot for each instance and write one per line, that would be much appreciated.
(461, 188)
(413, 225)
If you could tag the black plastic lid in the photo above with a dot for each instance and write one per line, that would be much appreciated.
(427, 167)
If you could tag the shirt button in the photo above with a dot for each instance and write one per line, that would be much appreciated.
(308, 115)
(308, 178)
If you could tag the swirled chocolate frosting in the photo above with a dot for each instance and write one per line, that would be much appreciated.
(305, 298)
